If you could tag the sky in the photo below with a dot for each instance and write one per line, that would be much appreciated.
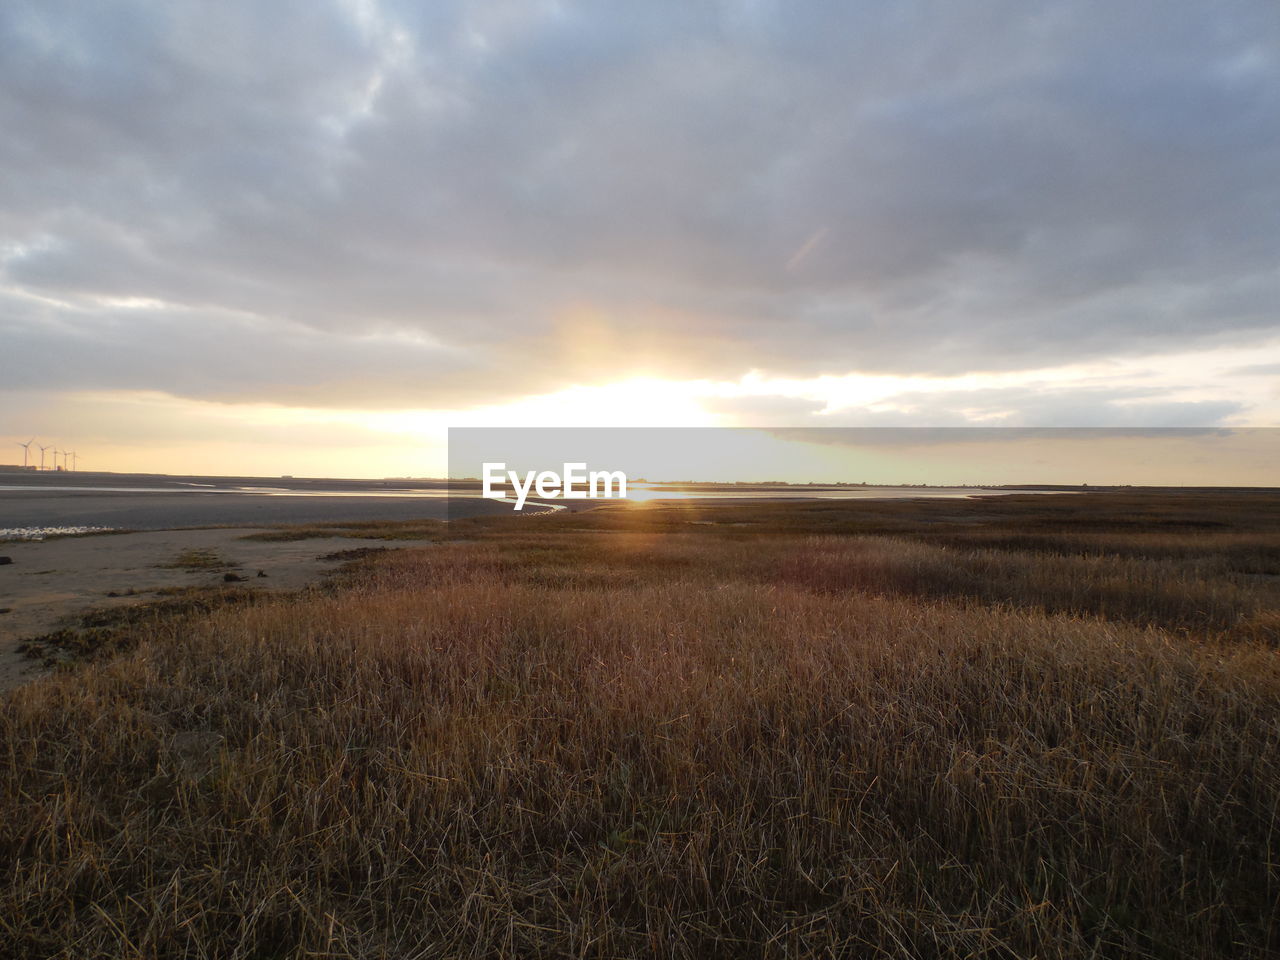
(307, 237)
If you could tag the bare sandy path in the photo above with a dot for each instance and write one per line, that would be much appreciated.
(50, 580)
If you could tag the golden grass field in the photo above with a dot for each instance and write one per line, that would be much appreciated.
(1029, 727)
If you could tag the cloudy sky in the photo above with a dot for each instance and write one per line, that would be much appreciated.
(305, 237)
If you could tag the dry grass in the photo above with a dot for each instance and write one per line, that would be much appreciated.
(620, 736)
(423, 529)
(195, 559)
(110, 630)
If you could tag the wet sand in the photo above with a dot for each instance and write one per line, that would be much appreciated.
(164, 511)
(51, 580)
(152, 502)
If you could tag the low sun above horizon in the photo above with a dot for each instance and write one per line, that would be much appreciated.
(235, 241)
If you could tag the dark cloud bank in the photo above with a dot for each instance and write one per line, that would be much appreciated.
(420, 204)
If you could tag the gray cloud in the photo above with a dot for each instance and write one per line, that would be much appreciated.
(395, 203)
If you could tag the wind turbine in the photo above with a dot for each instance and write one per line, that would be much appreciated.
(74, 457)
(43, 448)
(25, 447)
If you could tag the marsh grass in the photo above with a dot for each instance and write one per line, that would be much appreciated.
(199, 559)
(423, 529)
(106, 631)
(593, 737)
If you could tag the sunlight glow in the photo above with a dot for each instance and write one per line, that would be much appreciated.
(186, 435)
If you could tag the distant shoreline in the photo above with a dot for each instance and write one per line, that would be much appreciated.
(159, 502)
(13, 476)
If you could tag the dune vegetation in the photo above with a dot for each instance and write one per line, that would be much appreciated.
(1032, 727)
